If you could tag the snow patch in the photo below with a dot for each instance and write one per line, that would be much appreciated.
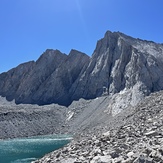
(70, 114)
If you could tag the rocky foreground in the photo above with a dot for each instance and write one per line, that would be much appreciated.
(134, 135)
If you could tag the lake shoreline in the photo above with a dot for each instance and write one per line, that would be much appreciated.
(24, 149)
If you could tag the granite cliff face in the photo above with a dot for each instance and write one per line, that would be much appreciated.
(120, 63)
(45, 81)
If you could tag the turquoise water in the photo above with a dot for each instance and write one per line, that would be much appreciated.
(25, 150)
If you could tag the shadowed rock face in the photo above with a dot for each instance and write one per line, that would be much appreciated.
(10, 81)
(45, 81)
(118, 63)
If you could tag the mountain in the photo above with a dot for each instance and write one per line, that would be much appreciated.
(103, 94)
(45, 81)
(119, 64)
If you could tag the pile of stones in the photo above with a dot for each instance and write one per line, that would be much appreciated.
(139, 138)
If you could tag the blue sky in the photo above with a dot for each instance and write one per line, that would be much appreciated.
(29, 27)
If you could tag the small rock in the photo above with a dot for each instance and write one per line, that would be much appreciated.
(151, 133)
(103, 159)
(130, 154)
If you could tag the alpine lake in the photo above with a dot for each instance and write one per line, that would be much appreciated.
(25, 150)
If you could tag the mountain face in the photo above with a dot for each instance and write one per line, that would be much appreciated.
(45, 81)
(120, 63)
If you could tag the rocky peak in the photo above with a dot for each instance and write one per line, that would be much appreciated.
(74, 52)
(119, 63)
(109, 40)
(76, 57)
(50, 56)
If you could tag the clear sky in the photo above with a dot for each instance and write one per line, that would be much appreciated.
(29, 27)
